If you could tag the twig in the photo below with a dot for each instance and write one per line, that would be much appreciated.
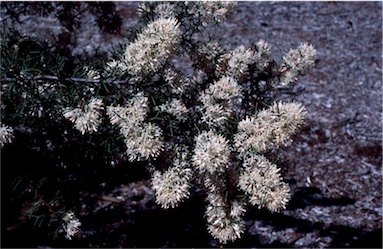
(50, 77)
(282, 72)
(41, 198)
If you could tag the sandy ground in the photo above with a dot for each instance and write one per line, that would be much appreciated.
(339, 151)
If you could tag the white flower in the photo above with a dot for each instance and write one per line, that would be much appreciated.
(164, 10)
(116, 67)
(215, 115)
(262, 54)
(278, 197)
(92, 74)
(176, 108)
(86, 119)
(177, 82)
(210, 11)
(6, 135)
(221, 224)
(172, 186)
(296, 63)
(217, 101)
(290, 119)
(143, 142)
(211, 153)
(71, 225)
(261, 180)
(152, 47)
(156, 43)
(225, 88)
(270, 127)
(237, 209)
(211, 50)
(199, 77)
(239, 61)
(130, 115)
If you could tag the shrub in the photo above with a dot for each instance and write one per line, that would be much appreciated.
(214, 122)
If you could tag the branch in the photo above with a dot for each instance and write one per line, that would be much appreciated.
(50, 77)
(41, 198)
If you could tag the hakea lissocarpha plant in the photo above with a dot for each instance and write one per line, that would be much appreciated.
(227, 144)
(211, 124)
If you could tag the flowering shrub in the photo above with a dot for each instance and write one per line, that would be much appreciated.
(214, 122)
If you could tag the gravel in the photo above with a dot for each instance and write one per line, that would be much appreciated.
(339, 151)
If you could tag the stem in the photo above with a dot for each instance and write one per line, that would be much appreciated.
(50, 77)
(41, 198)
(282, 72)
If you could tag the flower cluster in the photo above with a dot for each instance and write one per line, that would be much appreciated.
(210, 11)
(165, 10)
(270, 127)
(211, 51)
(211, 153)
(147, 54)
(88, 118)
(296, 63)
(174, 107)
(224, 223)
(142, 140)
(129, 116)
(177, 82)
(257, 177)
(6, 135)
(71, 225)
(262, 55)
(261, 180)
(172, 186)
(238, 61)
(217, 101)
